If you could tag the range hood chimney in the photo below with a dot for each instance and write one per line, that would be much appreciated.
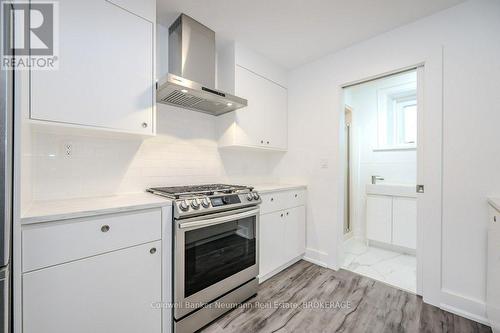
(190, 82)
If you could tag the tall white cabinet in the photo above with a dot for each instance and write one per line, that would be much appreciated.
(263, 123)
(105, 77)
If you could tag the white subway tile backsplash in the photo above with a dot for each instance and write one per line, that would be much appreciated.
(184, 152)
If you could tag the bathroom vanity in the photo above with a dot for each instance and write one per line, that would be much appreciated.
(391, 215)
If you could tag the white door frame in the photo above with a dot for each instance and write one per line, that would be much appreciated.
(429, 152)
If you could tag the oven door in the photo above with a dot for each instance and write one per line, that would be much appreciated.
(213, 255)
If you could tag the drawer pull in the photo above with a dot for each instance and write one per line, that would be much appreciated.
(105, 228)
(296, 195)
(153, 250)
(287, 213)
(272, 199)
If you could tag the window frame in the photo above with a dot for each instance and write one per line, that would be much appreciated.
(387, 115)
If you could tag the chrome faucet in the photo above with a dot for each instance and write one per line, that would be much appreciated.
(375, 178)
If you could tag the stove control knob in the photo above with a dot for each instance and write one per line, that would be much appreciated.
(205, 203)
(249, 197)
(184, 205)
(226, 200)
(256, 195)
(195, 204)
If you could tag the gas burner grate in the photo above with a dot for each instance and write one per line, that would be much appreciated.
(175, 192)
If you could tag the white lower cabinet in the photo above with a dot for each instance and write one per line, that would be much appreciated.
(404, 222)
(282, 233)
(379, 218)
(100, 274)
(392, 220)
(112, 292)
(270, 243)
(295, 227)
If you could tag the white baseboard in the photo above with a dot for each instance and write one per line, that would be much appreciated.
(464, 306)
(316, 257)
(279, 269)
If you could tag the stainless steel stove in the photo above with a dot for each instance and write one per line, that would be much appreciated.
(215, 250)
(207, 199)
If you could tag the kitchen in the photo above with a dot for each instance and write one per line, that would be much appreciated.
(179, 163)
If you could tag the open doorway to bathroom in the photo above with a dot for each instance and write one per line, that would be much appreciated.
(380, 213)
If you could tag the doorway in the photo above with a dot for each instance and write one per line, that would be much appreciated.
(380, 201)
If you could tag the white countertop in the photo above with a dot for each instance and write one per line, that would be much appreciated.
(45, 211)
(396, 190)
(265, 188)
(495, 203)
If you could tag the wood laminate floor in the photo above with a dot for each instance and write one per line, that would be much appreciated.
(309, 298)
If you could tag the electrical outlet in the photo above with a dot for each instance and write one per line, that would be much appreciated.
(68, 149)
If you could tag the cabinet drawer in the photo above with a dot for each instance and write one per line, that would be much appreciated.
(272, 202)
(54, 243)
(280, 200)
(295, 198)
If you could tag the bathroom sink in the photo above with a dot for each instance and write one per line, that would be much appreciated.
(398, 190)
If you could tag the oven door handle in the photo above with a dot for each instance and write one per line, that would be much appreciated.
(218, 220)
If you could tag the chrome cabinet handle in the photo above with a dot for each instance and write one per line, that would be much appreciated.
(272, 199)
(144, 125)
(281, 214)
(261, 141)
(105, 228)
(267, 142)
(287, 213)
(153, 250)
(296, 195)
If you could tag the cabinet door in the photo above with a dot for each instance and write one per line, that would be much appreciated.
(271, 233)
(493, 269)
(108, 293)
(105, 76)
(404, 225)
(295, 233)
(264, 121)
(379, 218)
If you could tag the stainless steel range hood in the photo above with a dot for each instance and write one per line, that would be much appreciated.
(190, 82)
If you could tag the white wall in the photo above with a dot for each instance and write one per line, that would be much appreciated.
(184, 152)
(468, 34)
(395, 166)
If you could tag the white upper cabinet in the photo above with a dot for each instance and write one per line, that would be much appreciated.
(264, 122)
(106, 73)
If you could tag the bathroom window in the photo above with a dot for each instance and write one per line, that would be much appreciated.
(397, 117)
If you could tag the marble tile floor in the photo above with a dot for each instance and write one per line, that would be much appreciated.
(393, 268)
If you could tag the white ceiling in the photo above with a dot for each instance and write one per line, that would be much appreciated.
(294, 32)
